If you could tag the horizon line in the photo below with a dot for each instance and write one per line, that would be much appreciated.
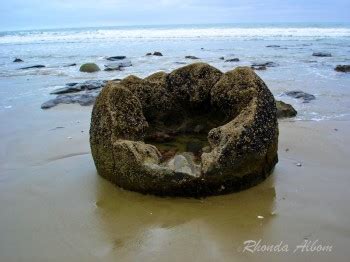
(173, 24)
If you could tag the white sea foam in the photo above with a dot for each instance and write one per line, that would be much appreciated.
(173, 33)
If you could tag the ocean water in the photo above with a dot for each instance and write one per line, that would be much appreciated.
(296, 68)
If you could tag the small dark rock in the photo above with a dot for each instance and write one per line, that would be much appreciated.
(116, 58)
(274, 46)
(258, 67)
(266, 64)
(17, 60)
(69, 65)
(191, 57)
(222, 58)
(78, 87)
(342, 68)
(157, 54)
(148, 54)
(57, 127)
(93, 84)
(32, 67)
(285, 110)
(232, 60)
(82, 99)
(322, 54)
(301, 95)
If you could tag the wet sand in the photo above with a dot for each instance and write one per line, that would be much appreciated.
(54, 207)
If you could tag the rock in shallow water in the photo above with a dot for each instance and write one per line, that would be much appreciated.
(17, 60)
(285, 110)
(156, 53)
(232, 60)
(322, 54)
(262, 65)
(32, 67)
(70, 65)
(342, 68)
(76, 93)
(117, 65)
(89, 68)
(266, 64)
(301, 95)
(258, 68)
(116, 58)
(77, 87)
(86, 99)
(191, 57)
(243, 134)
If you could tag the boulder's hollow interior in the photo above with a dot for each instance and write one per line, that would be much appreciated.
(185, 131)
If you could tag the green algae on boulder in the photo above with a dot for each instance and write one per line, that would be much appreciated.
(89, 68)
(194, 132)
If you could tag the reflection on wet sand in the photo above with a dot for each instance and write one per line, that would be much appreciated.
(146, 226)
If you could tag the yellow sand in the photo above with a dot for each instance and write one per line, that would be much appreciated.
(54, 207)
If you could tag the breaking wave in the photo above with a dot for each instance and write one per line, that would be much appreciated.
(159, 33)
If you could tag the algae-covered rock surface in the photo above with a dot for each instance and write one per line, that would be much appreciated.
(193, 132)
(89, 68)
(285, 110)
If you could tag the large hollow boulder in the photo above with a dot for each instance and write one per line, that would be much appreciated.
(194, 132)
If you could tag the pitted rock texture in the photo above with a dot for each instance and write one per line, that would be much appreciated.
(235, 110)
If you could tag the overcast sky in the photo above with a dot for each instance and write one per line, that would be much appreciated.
(28, 14)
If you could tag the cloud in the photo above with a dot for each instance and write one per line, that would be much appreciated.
(68, 13)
